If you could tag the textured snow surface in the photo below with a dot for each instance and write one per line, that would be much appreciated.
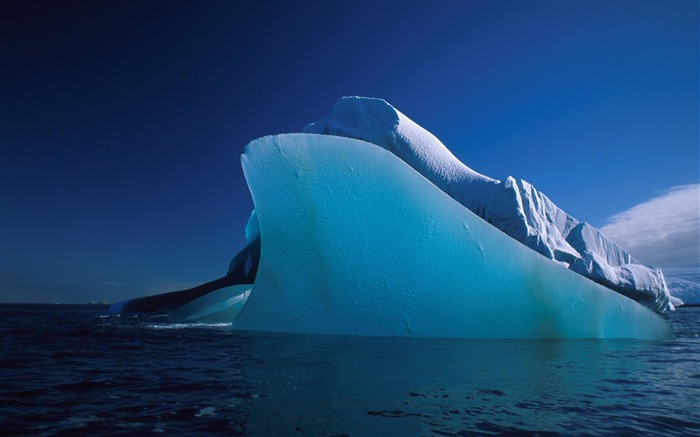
(684, 284)
(355, 241)
(513, 206)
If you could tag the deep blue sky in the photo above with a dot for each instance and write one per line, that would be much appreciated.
(122, 123)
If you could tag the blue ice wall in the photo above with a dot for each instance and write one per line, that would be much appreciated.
(354, 241)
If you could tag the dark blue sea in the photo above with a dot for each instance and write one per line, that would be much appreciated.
(74, 370)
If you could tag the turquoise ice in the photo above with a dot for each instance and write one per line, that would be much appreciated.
(355, 241)
(220, 306)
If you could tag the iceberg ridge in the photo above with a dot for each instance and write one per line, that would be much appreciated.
(513, 206)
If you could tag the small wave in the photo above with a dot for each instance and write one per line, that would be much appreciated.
(187, 325)
(208, 411)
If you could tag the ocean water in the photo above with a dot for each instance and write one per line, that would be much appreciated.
(73, 370)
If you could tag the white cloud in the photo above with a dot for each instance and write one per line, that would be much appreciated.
(663, 231)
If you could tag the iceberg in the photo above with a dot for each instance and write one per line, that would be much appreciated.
(513, 206)
(355, 241)
(366, 224)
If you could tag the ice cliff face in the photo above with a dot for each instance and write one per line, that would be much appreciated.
(513, 206)
(354, 241)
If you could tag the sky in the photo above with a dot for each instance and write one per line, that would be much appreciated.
(122, 122)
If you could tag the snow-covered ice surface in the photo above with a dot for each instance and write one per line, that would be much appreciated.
(513, 206)
(355, 241)
(684, 284)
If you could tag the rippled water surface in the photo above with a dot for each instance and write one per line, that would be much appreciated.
(72, 370)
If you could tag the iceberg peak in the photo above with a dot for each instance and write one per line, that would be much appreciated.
(377, 122)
